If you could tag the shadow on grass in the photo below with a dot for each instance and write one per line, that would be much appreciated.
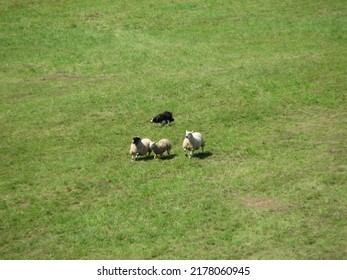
(203, 155)
(172, 156)
(164, 125)
(168, 157)
(144, 158)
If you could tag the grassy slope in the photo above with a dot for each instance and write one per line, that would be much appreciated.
(266, 84)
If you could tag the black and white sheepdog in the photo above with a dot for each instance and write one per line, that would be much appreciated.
(163, 118)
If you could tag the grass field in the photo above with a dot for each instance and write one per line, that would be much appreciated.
(264, 81)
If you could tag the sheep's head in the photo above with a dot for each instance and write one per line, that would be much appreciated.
(188, 134)
(136, 140)
(151, 144)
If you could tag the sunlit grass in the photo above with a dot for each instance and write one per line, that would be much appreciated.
(263, 81)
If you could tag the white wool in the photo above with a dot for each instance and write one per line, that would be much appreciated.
(193, 141)
(141, 149)
(160, 147)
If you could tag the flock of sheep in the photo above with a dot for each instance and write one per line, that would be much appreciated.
(140, 147)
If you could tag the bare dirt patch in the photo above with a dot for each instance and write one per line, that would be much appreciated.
(264, 203)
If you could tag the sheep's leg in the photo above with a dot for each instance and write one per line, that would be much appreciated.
(191, 153)
(185, 151)
(202, 148)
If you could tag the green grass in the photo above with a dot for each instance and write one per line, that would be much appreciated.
(264, 81)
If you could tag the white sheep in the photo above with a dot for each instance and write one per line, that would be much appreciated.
(193, 141)
(139, 147)
(160, 147)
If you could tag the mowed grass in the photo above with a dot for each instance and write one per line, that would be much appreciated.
(264, 81)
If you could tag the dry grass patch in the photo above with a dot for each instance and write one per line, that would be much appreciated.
(264, 203)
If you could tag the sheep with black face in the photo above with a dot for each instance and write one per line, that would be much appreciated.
(139, 147)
